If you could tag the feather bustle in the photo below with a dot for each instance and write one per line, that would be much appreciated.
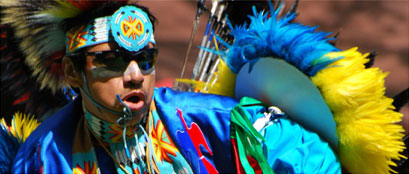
(37, 26)
(355, 95)
(17, 77)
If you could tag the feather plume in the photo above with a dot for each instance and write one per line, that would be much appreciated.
(38, 25)
(41, 37)
(16, 78)
(32, 49)
(223, 81)
(266, 36)
(299, 45)
(369, 138)
(11, 138)
(21, 126)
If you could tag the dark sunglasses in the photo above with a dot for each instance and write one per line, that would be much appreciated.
(118, 60)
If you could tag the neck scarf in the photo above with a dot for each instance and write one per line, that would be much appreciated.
(150, 151)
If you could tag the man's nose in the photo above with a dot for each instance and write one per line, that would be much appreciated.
(133, 74)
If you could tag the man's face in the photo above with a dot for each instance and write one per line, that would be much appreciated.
(124, 79)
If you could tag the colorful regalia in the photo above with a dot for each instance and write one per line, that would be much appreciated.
(297, 69)
(293, 103)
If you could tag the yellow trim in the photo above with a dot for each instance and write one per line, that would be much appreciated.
(368, 137)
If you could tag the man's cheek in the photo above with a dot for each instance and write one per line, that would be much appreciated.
(103, 73)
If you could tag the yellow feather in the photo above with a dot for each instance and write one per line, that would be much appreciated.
(222, 83)
(368, 137)
(21, 126)
(9, 3)
(64, 10)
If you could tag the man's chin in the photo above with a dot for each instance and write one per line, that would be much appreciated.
(138, 116)
(136, 119)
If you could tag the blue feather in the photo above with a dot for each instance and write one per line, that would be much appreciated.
(297, 44)
(8, 149)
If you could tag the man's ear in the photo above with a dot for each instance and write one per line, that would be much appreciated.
(71, 75)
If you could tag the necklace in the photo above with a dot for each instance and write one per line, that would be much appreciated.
(106, 149)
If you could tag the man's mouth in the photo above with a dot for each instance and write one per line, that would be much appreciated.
(135, 101)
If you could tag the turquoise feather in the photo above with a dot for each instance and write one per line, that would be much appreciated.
(265, 36)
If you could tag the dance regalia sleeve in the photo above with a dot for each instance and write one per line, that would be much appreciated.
(48, 148)
(201, 126)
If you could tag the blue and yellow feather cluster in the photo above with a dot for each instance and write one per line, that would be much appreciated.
(11, 138)
(369, 138)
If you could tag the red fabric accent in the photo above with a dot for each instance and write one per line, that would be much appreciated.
(136, 171)
(239, 167)
(41, 169)
(39, 159)
(197, 137)
(254, 165)
(22, 99)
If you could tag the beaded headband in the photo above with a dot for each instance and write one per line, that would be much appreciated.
(129, 27)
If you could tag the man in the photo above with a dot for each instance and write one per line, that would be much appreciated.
(110, 56)
(120, 123)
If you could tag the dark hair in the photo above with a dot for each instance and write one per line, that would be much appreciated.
(105, 9)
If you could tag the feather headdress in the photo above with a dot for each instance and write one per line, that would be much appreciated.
(33, 45)
(39, 26)
(368, 136)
